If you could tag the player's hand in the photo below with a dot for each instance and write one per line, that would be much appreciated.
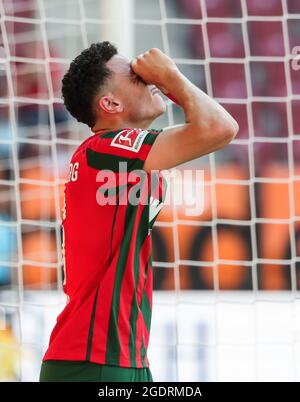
(154, 67)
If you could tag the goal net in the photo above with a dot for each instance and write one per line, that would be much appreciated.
(226, 279)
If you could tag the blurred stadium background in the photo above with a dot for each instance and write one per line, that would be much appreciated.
(226, 300)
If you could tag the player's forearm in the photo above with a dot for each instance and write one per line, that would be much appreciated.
(199, 108)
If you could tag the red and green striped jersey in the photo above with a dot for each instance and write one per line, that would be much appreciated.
(107, 251)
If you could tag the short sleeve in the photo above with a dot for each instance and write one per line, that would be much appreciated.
(130, 146)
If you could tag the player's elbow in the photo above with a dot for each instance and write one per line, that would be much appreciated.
(231, 130)
(220, 127)
(225, 130)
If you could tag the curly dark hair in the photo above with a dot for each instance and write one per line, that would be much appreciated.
(86, 75)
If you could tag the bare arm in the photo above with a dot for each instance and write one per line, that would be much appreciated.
(208, 126)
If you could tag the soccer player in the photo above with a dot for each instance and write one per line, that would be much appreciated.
(103, 332)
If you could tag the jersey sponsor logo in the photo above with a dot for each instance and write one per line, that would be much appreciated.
(131, 140)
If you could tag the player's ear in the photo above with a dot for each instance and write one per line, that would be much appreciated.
(110, 105)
